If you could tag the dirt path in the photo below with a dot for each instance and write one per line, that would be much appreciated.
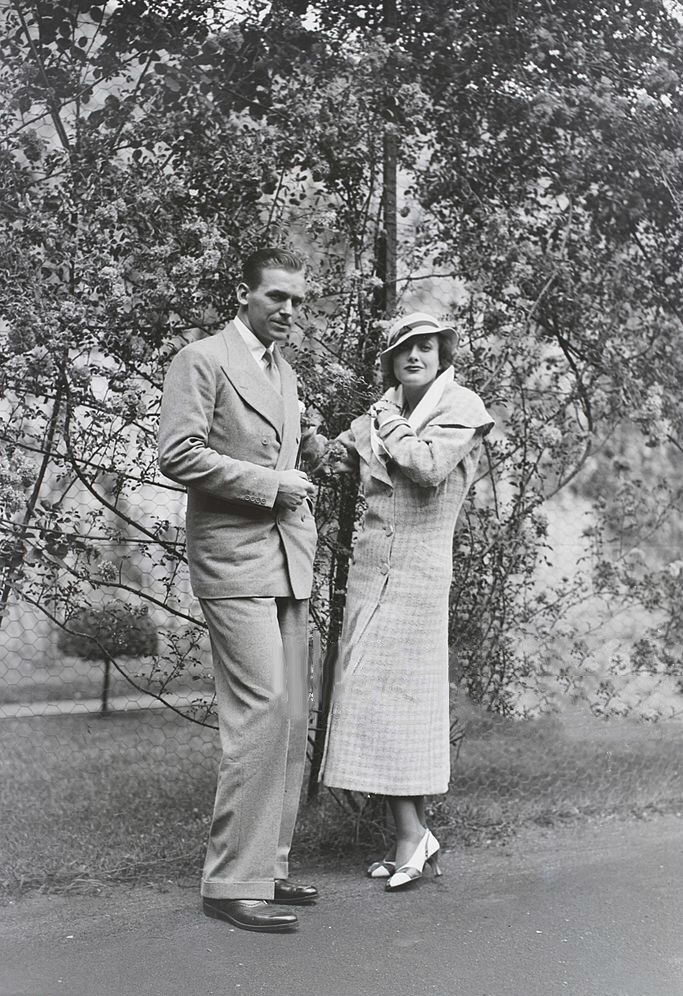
(591, 912)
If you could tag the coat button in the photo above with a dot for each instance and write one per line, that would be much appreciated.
(264, 441)
(383, 568)
(388, 530)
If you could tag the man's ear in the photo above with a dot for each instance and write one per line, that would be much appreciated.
(242, 294)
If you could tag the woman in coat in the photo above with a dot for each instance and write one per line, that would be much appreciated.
(417, 451)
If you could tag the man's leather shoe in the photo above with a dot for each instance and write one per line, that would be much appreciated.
(250, 914)
(299, 895)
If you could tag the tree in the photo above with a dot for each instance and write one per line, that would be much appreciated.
(555, 198)
(124, 219)
(119, 243)
(107, 633)
(539, 158)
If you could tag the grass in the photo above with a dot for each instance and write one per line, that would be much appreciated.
(512, 774)
(89, 800)
(129, 797)
(548, 770)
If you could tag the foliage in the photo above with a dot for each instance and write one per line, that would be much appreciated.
(567, 232)
(116, 244)
(540, 156)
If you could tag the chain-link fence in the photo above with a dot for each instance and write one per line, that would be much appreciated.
(109, 765)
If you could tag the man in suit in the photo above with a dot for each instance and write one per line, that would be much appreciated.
(230, 432)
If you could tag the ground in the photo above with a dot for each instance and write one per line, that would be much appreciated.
(595, 910)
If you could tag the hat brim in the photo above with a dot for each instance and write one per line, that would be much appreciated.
(385, 357)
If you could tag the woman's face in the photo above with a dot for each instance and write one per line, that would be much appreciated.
(416, 362)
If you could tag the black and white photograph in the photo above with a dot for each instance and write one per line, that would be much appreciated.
(341, 498)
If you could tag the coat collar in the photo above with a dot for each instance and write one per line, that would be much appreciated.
(457, 407)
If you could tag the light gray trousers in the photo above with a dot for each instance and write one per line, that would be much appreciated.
(259, 648)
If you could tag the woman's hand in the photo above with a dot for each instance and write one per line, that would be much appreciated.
(384, 411)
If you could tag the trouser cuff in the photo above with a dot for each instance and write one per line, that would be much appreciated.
(217, 889)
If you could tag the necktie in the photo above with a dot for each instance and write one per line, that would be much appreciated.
(271, 370)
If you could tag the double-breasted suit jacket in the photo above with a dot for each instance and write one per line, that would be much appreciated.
(224, 434)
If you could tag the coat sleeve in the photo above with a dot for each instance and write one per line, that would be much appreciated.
(428, 459)
(187, 411)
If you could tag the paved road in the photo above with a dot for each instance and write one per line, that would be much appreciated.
(590, 912)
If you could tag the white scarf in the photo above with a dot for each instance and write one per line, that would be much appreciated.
(420, 414)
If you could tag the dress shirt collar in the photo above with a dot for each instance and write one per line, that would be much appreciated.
(253, 344)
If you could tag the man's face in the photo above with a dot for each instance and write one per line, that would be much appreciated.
(270, 310)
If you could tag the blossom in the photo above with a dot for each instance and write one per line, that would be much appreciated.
(551, 436)
(109, 571)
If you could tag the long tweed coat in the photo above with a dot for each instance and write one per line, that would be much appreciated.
(389, 725)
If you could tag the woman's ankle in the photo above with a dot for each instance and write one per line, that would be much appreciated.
(406, 845)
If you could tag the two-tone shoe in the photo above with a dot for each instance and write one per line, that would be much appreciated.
(426, 852)
(382, 869)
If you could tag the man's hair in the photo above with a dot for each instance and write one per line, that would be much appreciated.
(445, 357)
(270, 258)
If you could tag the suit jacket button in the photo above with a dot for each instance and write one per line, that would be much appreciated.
(383, 568)
(264, 441)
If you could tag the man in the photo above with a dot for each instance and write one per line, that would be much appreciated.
(230, 432)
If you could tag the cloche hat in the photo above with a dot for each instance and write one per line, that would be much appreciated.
(417, 323)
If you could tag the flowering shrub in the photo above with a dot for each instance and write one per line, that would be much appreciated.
(539, 159)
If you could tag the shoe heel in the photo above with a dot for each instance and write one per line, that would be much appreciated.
(433, 862)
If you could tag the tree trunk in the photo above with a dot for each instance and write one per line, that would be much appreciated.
(347, 518)
(105, 688)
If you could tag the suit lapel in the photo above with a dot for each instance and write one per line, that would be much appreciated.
(251, 383)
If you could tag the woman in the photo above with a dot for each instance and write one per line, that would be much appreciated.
(417, 451)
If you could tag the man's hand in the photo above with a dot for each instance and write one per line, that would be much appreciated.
(294, 488)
